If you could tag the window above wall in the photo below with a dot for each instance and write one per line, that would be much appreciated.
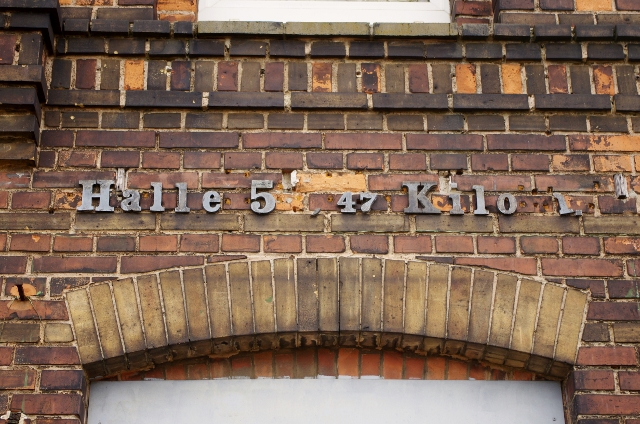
(397, 11)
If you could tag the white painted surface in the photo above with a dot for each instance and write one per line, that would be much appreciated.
(322, 401)
(403, 11)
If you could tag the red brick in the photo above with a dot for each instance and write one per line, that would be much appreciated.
(454, 244)
(168, 179)
(75, 264)
(83, 159)
(614, 311)
(280, 160)
(348, 362)
(496, 244)
(116, 244)
(283, 244)
(164, 160)
(30, 200)
(581, 245)
(62, 380)
(392, 365)
(519, 265)
(263, 364)
(412, 244)
(448, 161)
(240, 243)
(418, 79)
(364, 141)
(207, 160)
(6, 355)
(558, 79)
(530, 162)
(227, 76)
(607, 404)
(118, 159)
(370, 364)
(288, 140)
(327, 363)
(582, 267)
(199, 243)
(30, 242)
(180, 75)
(408, 162)
(484, 162)
(539, 244)
(21, 379)
(477, 372)
(4, 199)
(369, 244)
(47, 356)
(67, 179)
(414, 368)
(306, 363)
(7, 48)
(474, 8)
(198, 372)
(525, 142)
(593, 380)
(444, 142)
(362, 161)
(49, 404)
(325, 244)
(220, 369)
(103, 138)
(3, 242)
(436, 366)
(241, 367)
(73, 244)
(623, 289)
(274, 76)
(41, 310)
(159, 243)
(284, 365)
(175, 371)
(13, 264)
(242, 160)
(628, 5)
(86, 74)
(457, 370)
(617, 355)
(394, 181)
(629, 380)
(612, 205)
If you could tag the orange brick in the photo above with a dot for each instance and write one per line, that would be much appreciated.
(190, 17)
(198, 371)
(603, 80)
(611, 163)
(511, 79)
(466, 78)
(134, 75)
(158, 243)
(477, 372)
(177, 5)
(592, 5)
(176, 372)
(392, 365)
(263, 364)
(370, 364)
(220, 369)
(326, 363)
(321, 77)
(436, 368)
(414, 368)
(348, 362)
(284, 365)
(457, 370)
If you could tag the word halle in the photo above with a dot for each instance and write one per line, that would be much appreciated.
(264, 202)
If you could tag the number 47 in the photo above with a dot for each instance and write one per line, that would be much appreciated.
(347, 203)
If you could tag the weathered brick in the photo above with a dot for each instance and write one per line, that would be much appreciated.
(377, 244)
(116, 244)
(138, 264)
(325, 160)
(321, 77)
(74, 264)
(412, 244)
(499, 245)
(62, 380)
(520, 265)
(581, 245)
(214, 140)
(538, 244)
(240, 243)
(283, 244)
(30, 242)
(47, 356)
(617, 355)
(444, 142)
(49, 404)
(582, 267)
(287, 161)
(368, 141)
(282, 140)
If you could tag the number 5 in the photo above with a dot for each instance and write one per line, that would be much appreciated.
(269, 201)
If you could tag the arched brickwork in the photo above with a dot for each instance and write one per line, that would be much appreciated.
(257, 305)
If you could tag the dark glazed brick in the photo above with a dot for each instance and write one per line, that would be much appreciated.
(441, 79)
(62, 380)
(525, 142)
(329, 100)
(286, 48)
(172, 99)
(611, 205)
(76, 27)
(250, 81)
(30, 50)
(285, 121)
(370, 77)
(535, 79)
(552, 32)
(203, 76)
(624, 32)
(228, 76)
(109, 27)
(445, 122)
(366, 49)
(180, 75)
(410, 101)
(199, 47)
(126, 14)
(475, 30)
(324, 160)
(444, 142)
(490, 101)
(511, 31)
(483, 51)
(204, 121)
(564, 51)
(523, 52)
(626, 79)
(347, 78)
(80, 119)
(217, 140)
(608, 123)
(448, 162)
(364, 122)
(485, 123)
(61, 74)
(580, 79)
(157, 75)
(245, 121)
(110, 75)
(161, 120)
(530, 162)
(122, 159)
(490, 78)
(596, 332)
(576, 19)
(328, 49)
(274, 76)
(116, 244)
(483, 162)
(572, 101)
(405, 122)
(527, 123)
(85, 45)
(607, 51)
(52, 119)
(402, 50)
(151, 28)
(528, 18)
(418, 79)
(369, 244)
(298, 75)
(634, 52)
(568, 123)
(594, 32)
(183, 29)
(444, 51)
(167, 48)
(126, 46)
(325, 122)
(247, 48)
(556, 4)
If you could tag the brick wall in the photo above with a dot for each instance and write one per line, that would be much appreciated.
(529, 98)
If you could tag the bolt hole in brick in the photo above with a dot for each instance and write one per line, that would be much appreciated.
(337, 364)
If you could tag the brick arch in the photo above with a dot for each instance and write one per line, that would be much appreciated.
(223, 309)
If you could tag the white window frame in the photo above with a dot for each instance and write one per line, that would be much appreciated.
(383, 11)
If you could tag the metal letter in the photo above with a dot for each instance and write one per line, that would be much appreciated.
(502, 202)
(562, 203)
(347, 203)
(88, 195)
(269, 201)
(182, 198)
(621, 186)
(366, 206)
(480, 205)
(211, 197)
(131, 201)
(419, 198)
(157, 198)
(457, 207)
